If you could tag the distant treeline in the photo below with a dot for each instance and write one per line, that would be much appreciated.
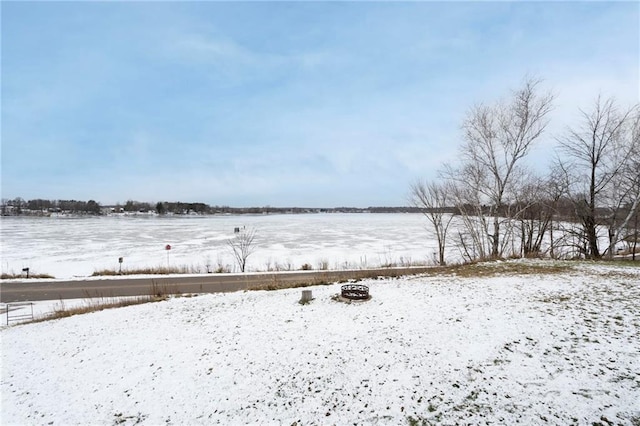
(18, 206)
(40, 207)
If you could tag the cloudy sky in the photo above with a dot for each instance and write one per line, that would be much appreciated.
(285, 104)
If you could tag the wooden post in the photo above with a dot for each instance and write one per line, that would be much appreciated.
(306, 296)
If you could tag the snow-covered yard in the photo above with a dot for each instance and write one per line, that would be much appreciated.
(557, 348)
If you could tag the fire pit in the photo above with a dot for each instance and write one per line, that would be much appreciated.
(355, 292)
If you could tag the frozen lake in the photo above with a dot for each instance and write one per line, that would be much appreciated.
(68, 247)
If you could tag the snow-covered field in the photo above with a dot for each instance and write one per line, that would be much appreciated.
(496, 348)
(69, 247)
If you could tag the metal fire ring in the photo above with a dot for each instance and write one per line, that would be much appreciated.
(355, 291)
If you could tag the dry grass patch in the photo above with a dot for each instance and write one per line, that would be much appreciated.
(163, 291)
(619, 274)
(491, 269)
(158, 270)
(22, 276)
(276, 284)
(624, 262)
(157, 293)
(95, 305)
(556, 299)
(487, 269)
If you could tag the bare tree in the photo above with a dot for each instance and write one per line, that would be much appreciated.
(496, 139)
(434, 198)
(533, 215)
(599, 163)
(621, 203)
(633, 235)
(554, 193)
(473, 236)
(242, 246)
(624, 204)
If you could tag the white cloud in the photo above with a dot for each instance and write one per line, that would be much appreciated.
(196, 47)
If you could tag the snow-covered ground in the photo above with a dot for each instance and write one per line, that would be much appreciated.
(69, 247)
(450, 349)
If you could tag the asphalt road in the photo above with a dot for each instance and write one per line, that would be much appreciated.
(27, 290)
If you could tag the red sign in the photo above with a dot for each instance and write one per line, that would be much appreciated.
(168, 247)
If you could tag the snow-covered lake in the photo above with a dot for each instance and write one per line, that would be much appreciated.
(68, 247)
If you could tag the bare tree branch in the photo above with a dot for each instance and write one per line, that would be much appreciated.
(242, 246)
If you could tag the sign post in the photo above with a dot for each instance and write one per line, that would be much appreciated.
(167, 248)
(120, 260)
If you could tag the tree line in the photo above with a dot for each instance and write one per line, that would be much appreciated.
(19, 206)
(584, 205)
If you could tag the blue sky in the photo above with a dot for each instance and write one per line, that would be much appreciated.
(285, 104)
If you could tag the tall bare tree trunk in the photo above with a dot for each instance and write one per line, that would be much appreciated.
(597, 156)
